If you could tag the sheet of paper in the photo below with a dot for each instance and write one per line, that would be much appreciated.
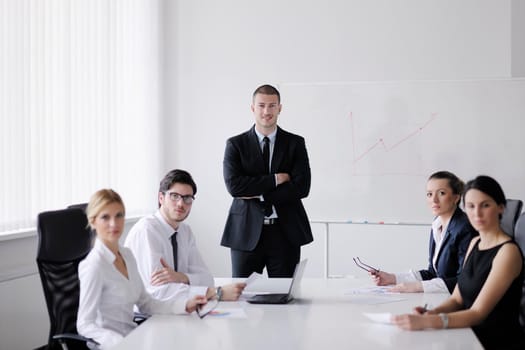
(379, 317)
(372, 290)
(260, 284)
(253, 277)
(227, 313)
(374, 299)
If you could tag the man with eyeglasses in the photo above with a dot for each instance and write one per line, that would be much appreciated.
(165, 247)
(267, 172)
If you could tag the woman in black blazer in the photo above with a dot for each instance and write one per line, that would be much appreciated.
(449, 239)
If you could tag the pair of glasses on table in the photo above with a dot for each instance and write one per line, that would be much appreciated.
(205, 309)
(364, 266)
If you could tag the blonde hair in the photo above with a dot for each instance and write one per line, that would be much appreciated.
(99, 200)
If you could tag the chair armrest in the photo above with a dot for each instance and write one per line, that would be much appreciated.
(139, 317)
(62, 338)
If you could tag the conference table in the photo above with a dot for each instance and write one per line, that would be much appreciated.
(343, 313)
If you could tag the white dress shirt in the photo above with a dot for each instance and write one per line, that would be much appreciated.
(435, 285)
(150, 239)
(107, 297)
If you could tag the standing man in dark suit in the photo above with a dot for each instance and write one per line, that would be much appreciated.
(267, 172)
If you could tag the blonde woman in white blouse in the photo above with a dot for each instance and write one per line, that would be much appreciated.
(110, 284)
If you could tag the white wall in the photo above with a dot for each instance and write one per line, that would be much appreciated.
(517, 33)
(216, 53)
(224, 50)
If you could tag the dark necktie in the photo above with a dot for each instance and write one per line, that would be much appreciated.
(174, 246)
(266, 154)
(268, 210)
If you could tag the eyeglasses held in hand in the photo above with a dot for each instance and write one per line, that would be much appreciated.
(364, 266)
(205, 309)
(175, 197)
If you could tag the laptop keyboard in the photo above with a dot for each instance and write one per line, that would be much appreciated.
(279, 298)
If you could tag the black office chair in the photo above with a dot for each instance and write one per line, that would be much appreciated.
(519, 237)
(510, 216)
(82, 206)
(63, 241)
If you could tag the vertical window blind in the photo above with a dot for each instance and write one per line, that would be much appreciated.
(80, 104)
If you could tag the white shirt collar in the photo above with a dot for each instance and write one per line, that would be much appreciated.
(436, 224)
(167, 230)
(105, 252)
(261, 136)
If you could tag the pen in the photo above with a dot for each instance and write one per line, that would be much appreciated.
(425, 308)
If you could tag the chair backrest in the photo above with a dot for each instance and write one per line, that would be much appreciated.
(510, 216)
(519, 237)
(82, 206)
(63, 241)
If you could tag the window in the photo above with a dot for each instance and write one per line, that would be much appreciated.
(79, 104)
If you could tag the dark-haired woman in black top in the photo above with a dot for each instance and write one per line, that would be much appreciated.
(487, 296)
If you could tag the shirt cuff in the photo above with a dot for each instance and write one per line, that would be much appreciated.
(410, 276)
(435, 285)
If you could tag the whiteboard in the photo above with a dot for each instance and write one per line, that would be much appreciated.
(372, 145)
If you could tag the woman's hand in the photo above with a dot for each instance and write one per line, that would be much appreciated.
(421, 310)
(382, 278)
(410, 322)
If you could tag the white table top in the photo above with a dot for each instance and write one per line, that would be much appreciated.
(324, 315)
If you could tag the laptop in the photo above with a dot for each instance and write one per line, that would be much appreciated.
(282, 298)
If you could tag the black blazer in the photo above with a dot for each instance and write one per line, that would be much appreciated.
(244, 175)
(453, 249)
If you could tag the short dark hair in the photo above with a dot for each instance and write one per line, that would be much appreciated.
(487, 185)
(454, 182)
(267, 90)
(177, 176)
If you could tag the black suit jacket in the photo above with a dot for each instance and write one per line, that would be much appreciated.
(244, 175)
(453, 250)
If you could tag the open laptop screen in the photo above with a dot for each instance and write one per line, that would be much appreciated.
(282, 298)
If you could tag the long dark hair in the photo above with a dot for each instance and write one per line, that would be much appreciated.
(454, 182)
(489, 186)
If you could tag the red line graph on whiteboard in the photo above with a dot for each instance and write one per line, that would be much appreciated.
(381, 142)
